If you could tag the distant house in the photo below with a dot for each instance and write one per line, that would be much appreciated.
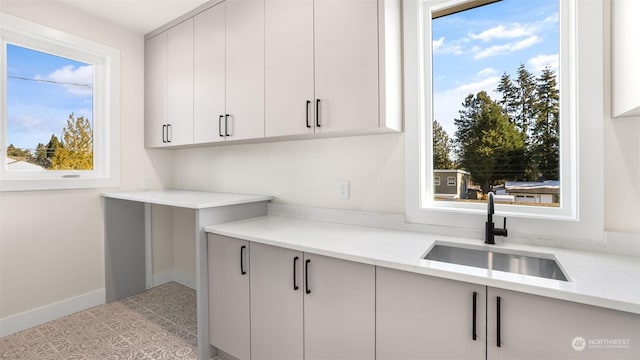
(451, 184)
(19, 165)
(541, 192)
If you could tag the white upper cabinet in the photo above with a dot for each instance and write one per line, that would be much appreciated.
(169, 87)
(250, 69)
(180, 84)
(289, 89)
(625, 57)
(155, 95)
(244, 69)
(326, 66)
(346, 64)
(209, 75)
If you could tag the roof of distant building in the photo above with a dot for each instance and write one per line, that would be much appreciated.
(20, 165)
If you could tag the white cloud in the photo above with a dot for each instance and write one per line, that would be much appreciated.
(450, 47)
(502, 32)
(552, 18)
(77, 81)
(507, 48)
(486, 72)
(541, 61)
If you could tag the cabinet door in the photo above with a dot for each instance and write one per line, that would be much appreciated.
(209, 75)
(423, 317)
(535, 327)
(180, 83)
(229, 321)
(289, 67)
(339, 309)
(276, 303)
(155, 90)
(245, 68)
(346, 64)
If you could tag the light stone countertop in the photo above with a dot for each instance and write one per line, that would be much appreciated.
(187, 198)
(610, 281)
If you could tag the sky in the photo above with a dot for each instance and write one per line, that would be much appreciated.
(473, 48)
(41, 94)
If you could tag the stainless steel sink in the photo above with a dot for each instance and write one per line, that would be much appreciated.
(529, 264)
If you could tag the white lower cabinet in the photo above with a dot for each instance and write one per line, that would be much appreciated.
(339, 309)
(536, 327)
(229, 317)
(276, 303)
(301, 306)
(423, 317)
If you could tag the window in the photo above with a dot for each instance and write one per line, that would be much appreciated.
(451, 181)
(60, 109)
(495, 91)
(577, 209)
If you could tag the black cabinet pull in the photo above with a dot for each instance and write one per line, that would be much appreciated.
(307, 112)
(498, 342)
(169, 133)
(242, 271)
(164, 132)
(306, 276)
(318, 112)
(475, 302)
(220, 125)
(226, 125)
(295, 282)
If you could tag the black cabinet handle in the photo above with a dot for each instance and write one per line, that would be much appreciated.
(306, 276)
(220, 125)
(307, 112)
(295, 282)
(169, 133)
(498, 342)
(242, 271)
(475, 302)
(226, 125)
(164, 132)
(318, 112)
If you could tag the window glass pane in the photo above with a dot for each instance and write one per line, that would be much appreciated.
(496, 100)
(49, 112)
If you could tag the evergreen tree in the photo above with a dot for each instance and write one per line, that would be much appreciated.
(546, 132)
(486, 141)
(509, 92)
(525, 101)
(77, 150)
(441, 148)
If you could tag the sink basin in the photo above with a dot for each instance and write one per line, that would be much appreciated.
(524, 264)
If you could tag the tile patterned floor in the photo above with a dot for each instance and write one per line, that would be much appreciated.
(158, 324)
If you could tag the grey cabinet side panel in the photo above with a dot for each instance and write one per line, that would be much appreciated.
(124, 249)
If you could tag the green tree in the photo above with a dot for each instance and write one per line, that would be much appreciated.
(546, 131)
(18, 153)
(441, 148)
(525, 100)
(76, 152)
(486, 141)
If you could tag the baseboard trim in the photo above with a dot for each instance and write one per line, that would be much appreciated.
(163, 277)
(22, 321)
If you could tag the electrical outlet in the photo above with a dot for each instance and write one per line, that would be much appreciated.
(145, 183)
(343, 189)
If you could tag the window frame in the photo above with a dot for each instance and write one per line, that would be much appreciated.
(581, 214)
(106, 96)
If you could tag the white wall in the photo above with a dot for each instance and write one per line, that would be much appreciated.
(304, 172)
(51, 242)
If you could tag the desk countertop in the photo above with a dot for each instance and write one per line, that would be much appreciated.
(187, 198)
